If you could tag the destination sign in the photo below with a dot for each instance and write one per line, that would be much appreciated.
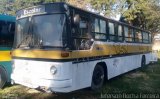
(30, 11)
(41, 9)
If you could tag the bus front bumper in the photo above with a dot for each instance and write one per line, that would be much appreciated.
(48, 85)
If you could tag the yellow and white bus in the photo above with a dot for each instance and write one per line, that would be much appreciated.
(61, 48)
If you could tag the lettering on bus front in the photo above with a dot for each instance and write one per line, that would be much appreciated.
(30, 11)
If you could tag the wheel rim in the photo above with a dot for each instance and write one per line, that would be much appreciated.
(98, 77)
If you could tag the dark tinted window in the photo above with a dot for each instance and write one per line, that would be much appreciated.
(7, 30)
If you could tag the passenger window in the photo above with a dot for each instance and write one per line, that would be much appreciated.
(102, 26)
(145, 37)
(138, 36)
(7, 30)
(120, 33)
(126, 33)
(150, 38)
(130, 35)
(96, 26)
(82, 38)
(99, 29)
(111, 28)
(112, 35)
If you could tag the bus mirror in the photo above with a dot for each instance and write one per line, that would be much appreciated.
(76, 19)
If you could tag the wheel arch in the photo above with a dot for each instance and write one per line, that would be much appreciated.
(143, 58)
(103, 64)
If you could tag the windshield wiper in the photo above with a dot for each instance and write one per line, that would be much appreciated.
(24, 40)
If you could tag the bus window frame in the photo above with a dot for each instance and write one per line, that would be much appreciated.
(112, 35)
(145, 40)
(136, 37)
(74, 42)
(122, 32)
(99, 26)
(130, 37)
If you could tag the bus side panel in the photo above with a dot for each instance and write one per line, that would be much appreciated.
(82, 74)
(120, 65)
(5, 60)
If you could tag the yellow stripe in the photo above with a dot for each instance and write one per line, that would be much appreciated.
(98, 50)
(37, 54)
(5, 56)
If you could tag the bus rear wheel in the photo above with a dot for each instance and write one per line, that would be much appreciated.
(97, 78)
(143, 61)
(3, 77)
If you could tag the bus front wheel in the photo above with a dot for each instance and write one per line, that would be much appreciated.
(3, 77)
(97, 78)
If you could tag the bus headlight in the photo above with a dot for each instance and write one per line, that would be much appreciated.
(53, 70)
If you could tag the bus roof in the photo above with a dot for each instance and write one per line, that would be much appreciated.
(90, 12)
(7, 18)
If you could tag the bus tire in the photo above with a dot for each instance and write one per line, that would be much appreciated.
(97, 78)
(3, 77)
(143, 61)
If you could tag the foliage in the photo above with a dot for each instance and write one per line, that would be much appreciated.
(6, 6)
(140, 13)
(79, 3)
(144, 14)
(108, 7)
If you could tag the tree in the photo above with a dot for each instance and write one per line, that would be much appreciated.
(140, 13)
(108, 8)
(144, 14)
(6, 6)
(79, 3)
(19, 4)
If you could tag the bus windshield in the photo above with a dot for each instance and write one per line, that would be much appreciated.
(40, 31)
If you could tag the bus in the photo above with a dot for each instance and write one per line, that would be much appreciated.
(62, 48)
(7, 29)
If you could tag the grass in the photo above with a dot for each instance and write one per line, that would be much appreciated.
(145, 80)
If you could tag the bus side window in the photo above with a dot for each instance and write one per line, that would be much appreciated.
(145, 37)
(128, 34)
(81, 35)
(6, 33)
(120, 33)
(138, 36)
(112, 35)
(99, 29)
(150, 38)
(96, 25)
(3, 28)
